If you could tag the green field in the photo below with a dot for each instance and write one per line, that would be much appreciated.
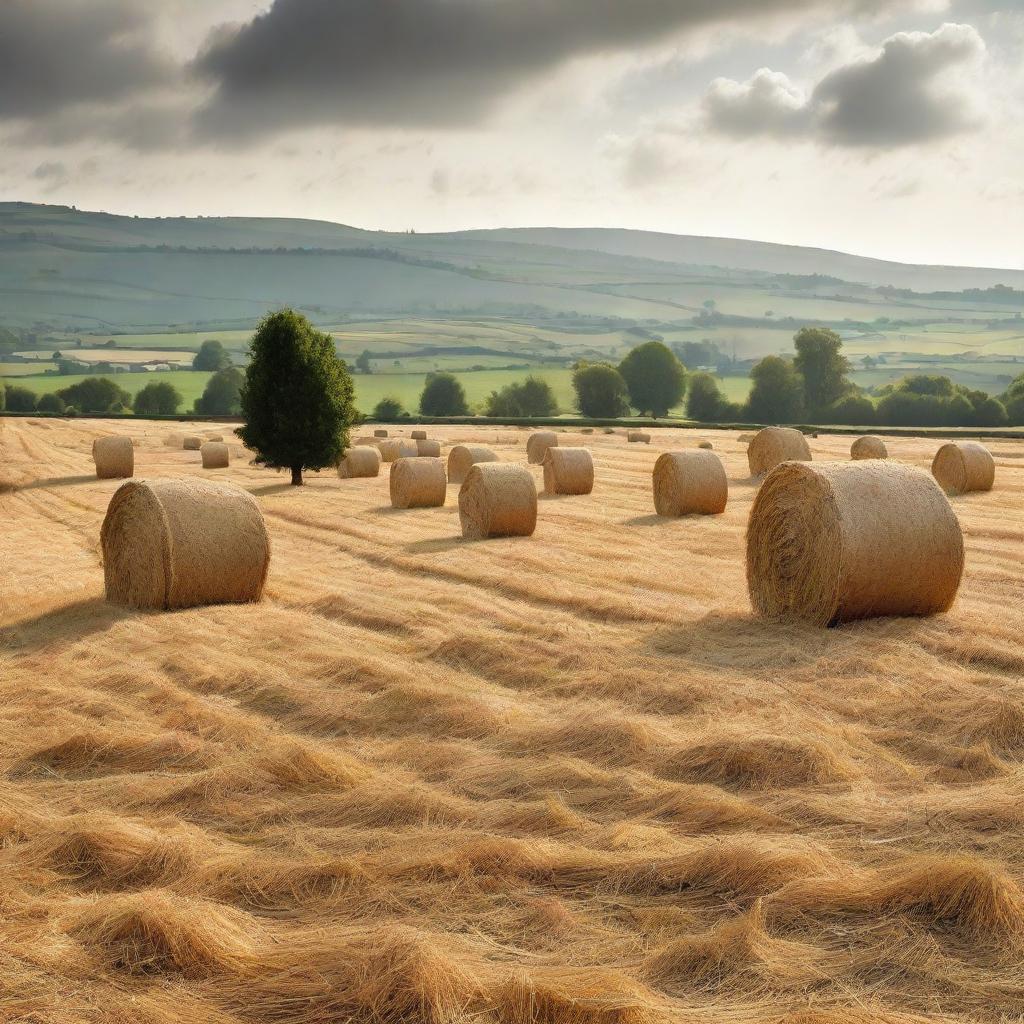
(189, 382)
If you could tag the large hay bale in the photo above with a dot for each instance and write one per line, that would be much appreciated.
(418, 483)
(868, 447)
(773, 445)
(428, 449)
(963, 466)
(568, 471)
(462, 458)
(179, 543)
(638, 437)
(498, 500)
(216, 455)
(395, 448)
(538, 444)
(380, 433)
(419, 435)
(192, 443)
(359, 462)
(690, 483)
(114, 457)
(835, 541)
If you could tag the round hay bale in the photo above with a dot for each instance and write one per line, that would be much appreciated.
(835, 541)
(745, 438)
(538, 444)
(773, 445)
(380, 433)
(690, 483)
(428, 449)
(365, 441)
(174, 440)
(462, 458)
(498, 500)
(216, 455)
(395, 448)
(211, 436)
(419, 435)
(638, 437)
(706, 445)
(359, 462)
(607, 430)
(192, 443)
(180, 543)
(568, 471)
(418, 483)
(114, 457)
(963, 466)
(586, 430)
(868, 447)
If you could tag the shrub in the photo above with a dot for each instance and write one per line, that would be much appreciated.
(222, 395)
(95, 394)
(705, 401)
(443, 395)
(655, 378)
(853, 410)
(158, 398)
(50, 403)
(601, 391)
(388, 408)
(530, 397)
(212, 355)
(777, 395)
(19, 399)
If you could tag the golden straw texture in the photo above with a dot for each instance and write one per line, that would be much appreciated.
(114, 457)
(463, 457)
(397, 448)
(178, 543)
(192, 443)
(706, 445)
(428, 449)
(835, 541)
(365, 441)
(498, 500)
(637, 437)
(773, 445)
(418, 483)
(216, 455)
(359, 462)
(568, 471)
(690, 482)
(538, 444)
(964, 466)
(868, 447)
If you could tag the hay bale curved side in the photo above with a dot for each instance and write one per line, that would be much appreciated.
(462, 458)
(428, 449)
(538, 444)
(836, 541)
(114, 457)
(216, 455)
(179, 543)
(774, 445)
(568, 471)
(418, 483)
(395, 448)
(419, 435)
(192, 443)
(359, 462)
(690, 483)
(638, 437)
(498, 500)
(964, 466)
(868, 447)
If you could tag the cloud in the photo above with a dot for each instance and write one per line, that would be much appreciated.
(916, 88)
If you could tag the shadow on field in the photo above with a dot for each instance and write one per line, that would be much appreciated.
(651, 520)
(436, 544)
(57, 481)
(71, 622)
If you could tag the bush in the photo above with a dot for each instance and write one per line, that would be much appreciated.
(158, 398)
(531, 397)
(95, 394)
(50, 403)
(443, 395)
(212, 355)
(655, 378)
(222, 395)
(19, 399)
(853, 410)
(705, 401)
(388, 408)
(777, 395)
(601, 391)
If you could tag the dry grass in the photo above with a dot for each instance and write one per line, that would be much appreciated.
(560, 778)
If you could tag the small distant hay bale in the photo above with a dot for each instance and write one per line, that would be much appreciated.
(462, 458)
(216, 455)
(607, 430)
(568, 471)
(418, 483)
(359, 462)
(707, 445)
(964, 466)
(212, 436)
(773, 445)
(538, 444)
(180, 543)
(174, 440)
(395, 448)
(638, 437)
(745, 438)
(586, 430)
(380, 433)
(835, 541)
(419, 435)
(498, 500)
(690, 483)
(868, 447)
(192, 443)
(114, 457)
(428, 449)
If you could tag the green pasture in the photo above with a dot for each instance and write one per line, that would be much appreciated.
(188, 382)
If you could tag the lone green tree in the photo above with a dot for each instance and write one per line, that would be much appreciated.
(821, 363)
(655, 378)
(297, 396)
(601, 393)
(777, 394)
(387, 409)
(443, 395)
(212, 355)
(222, 394)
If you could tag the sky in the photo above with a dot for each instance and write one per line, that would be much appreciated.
(892, 130)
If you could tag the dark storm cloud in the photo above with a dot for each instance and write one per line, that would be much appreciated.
(58, 53)
(425, 62)
(898, 97)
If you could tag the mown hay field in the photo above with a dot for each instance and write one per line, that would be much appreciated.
(565, 778)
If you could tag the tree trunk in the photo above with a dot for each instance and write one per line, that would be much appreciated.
(296, 476)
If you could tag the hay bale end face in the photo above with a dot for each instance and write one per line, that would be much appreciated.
(690, 483)
(192, 443)
(428, 449)
(419, 435)
(707, 445)
(216, 455)
(836, 541)
(773, 445)
(359, 462)
(380, 433)
(462, 458)
(868, 447)
(498, 500)
(393, 449)
(114, 457)
(638, 437)
(568, 471)
(418, 483)
(180, 543)
(964, 466)
(538, 445)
